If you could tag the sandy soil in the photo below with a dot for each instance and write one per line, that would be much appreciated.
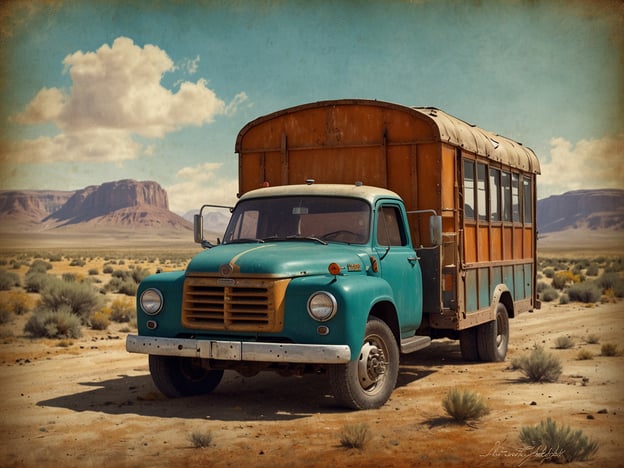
(93, 404)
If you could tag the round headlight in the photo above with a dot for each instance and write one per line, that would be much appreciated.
(322, 306)
(151, 301)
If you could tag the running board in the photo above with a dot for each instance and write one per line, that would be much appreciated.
(414, 343)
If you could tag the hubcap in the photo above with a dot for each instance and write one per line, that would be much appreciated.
(371, 365)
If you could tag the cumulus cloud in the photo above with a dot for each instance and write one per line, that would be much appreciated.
(116, 93)
(199, 185)
(588, 164)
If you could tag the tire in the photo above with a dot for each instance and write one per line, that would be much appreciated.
(178, 377)
(493, 337)
(368, 381)
(468, 344)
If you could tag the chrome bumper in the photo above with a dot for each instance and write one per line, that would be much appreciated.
(239, 350)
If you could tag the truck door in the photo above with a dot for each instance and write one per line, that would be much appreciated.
(399, 264)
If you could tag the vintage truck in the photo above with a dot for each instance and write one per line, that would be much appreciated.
(362, 231)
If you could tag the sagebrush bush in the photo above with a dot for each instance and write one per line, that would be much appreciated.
(609, 349)
(592, 338)
(549, 273)
(549, 294)
(587, 292)
(564, 342)
(122, 310)
(201, 439)
(100, 320)
(60, 323)
(81, 298)
(564, 299)
(354, 435)
(464, 405)
(563, 278)
(39, 266)
(539, 366)
(18, 302)
(8, 279)
(558, 444)
(37, 281)
(611, 281)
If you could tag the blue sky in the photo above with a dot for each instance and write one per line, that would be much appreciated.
(95, 91)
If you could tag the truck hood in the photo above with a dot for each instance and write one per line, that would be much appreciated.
(279, 259)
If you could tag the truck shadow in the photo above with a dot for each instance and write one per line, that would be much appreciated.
(266, 396)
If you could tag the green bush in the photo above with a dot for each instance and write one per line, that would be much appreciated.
(612, 281)
(549, 294)
(539, 366)
(354, 435)
(564, 342)
(464, 405)
(108, 269)
(37, 281)
(592, 270)
(60, 323)
(587, 292)
(558, 444)
(564, 299)
(549, 273)
(8, 280)
(39, 266)
(80, 298)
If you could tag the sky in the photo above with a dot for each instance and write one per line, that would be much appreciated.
(94, 91)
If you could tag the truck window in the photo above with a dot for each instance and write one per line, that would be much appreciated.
(482, 205)
(389, 227)
(526, 200)
(515, 197)
(469, 190)
(495, 191)
(328, 218)
(506, 195)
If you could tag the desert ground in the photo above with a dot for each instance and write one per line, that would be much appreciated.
(87, 402)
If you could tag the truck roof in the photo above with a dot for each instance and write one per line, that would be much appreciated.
(366, 192)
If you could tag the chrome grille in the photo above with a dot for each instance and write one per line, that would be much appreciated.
(233, 304)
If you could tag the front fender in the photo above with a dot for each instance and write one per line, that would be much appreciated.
(355, 295)
(171, 285)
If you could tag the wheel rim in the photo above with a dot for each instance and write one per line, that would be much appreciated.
(372, 365)
(501, 332)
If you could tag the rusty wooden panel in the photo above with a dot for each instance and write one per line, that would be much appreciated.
(496, 251)
(401, 174)
(429, 176)
(470, 244)
(507, 243)
(251, 172)
(483, 252)
(528, 242)
(517, 251)
(448, 178)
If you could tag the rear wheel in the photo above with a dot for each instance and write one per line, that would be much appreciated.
(493, 337)
(178, 376)
(368, 381)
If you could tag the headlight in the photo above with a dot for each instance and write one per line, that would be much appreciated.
(151, 301)
(322, 306)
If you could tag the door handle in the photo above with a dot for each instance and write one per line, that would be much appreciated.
(412, 260)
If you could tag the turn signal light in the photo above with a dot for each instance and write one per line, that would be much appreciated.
(334, 268)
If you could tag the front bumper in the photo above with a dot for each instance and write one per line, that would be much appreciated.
(239, 350)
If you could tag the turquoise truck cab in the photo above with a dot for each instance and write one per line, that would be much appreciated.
(308, 278)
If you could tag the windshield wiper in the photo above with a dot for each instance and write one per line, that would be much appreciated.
(295, 237)
(243, 240)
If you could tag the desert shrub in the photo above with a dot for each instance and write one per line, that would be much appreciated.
(592, 270)
(539, 366)
(126, 281)
(464, 405)
(60, 323)
(354, 435)
(69, 277)
(77, 262)
(18, 302)
(592, 338)
(5, 315)
(609, 349)
(40, 266)
(8, 279)
(108, 269)
(612, 281)
(200, 439)
(587, 292)
(37, 281)
(549, 294)
(563, 278)
(100, 320)
(55, 257)
(549, 273)
(564, 299)
(584, 354)
(122, 310)
(93, 271)
(564, 342)
(560, 444)
(80, 298)
(541, 286)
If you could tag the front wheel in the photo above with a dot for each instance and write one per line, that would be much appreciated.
(368, 381)
(179, 377)
(493, 337)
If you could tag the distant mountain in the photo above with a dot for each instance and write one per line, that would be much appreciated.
(582, 209)
(114, 205)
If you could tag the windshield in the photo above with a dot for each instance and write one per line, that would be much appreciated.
(325, 219)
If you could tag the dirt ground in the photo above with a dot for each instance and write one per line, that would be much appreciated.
(89, 403)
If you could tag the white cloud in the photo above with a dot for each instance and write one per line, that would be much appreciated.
(590, 164)
(200, 185)
(116, 93)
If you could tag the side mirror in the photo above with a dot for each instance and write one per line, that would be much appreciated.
(198, 228)
(435, 230)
